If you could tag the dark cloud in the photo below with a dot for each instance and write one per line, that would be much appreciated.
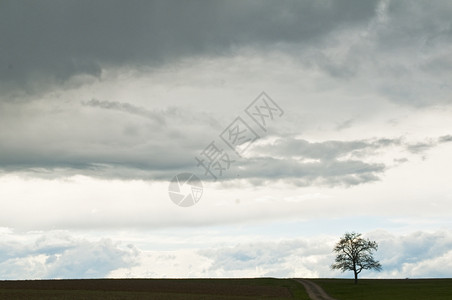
(412, 42)
(396, 49)
(416, 24)
(50, 41)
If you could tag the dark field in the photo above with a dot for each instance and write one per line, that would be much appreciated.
(390, 289)
(259, 288)
(235, 289)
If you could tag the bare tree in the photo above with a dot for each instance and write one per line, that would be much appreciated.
(354, 253)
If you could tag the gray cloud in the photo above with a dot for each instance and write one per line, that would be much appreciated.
(325, 163)
(57, 40)
(445, 139)
(101, 138)
(429, 29)
(326, 150)
(289, 159)
(113, 139)
(54, 41)
(396, 49)
(422, 147)
(126, 107)
(401, 54)
(351, 172)
(152, 155)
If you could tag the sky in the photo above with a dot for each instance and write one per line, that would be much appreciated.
(324, 117)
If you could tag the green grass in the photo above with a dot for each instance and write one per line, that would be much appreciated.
(390, 289)
(156, 289)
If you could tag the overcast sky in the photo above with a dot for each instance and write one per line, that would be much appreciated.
(103, 103)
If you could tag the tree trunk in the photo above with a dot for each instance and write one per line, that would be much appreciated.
(356, 276)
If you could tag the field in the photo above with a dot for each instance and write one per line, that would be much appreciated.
(235, 289)
(177, 289)
(381, 289)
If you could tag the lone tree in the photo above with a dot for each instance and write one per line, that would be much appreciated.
(354, 253)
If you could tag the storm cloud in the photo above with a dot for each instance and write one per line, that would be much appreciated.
(57, 40)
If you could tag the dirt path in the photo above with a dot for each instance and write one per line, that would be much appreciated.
(315, 292)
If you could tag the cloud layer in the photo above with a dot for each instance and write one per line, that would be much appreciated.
(80, 37)
(59, 255)
(343, 49)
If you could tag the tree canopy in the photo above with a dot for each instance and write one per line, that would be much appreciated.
(355, 253)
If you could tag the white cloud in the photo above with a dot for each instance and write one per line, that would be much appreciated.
(417, 254)
(60, 255)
